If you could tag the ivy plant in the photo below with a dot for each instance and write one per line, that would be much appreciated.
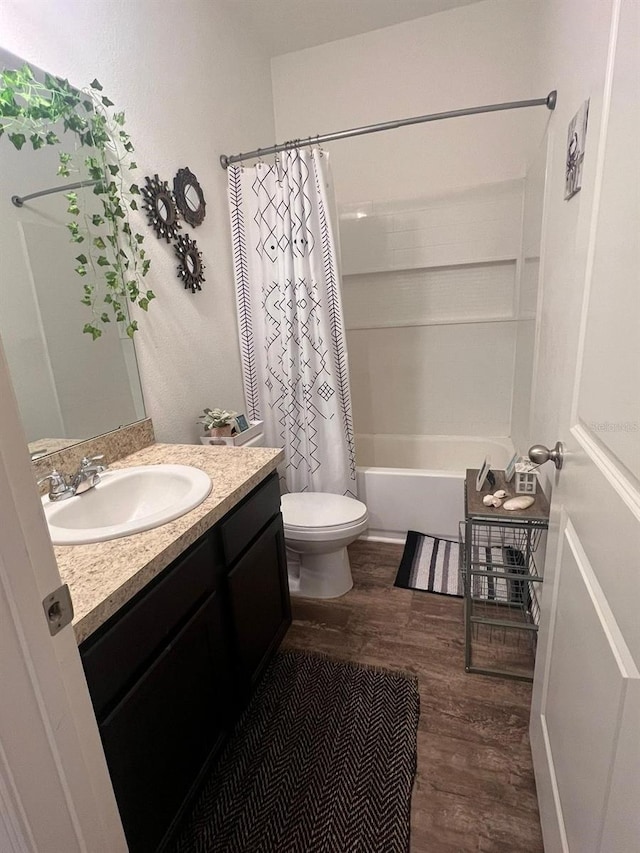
(111, 260)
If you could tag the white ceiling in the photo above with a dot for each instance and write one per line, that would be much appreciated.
(287, 25)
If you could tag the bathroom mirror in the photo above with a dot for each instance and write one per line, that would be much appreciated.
(69, 387)
(189, 197)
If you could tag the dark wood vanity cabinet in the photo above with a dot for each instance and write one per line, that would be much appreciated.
(170, 672)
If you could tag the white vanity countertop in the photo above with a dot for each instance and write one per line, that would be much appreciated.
(105, 575)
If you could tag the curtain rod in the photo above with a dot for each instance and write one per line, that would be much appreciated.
(19, 200)
(549, 102)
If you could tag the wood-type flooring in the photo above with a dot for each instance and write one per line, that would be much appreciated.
(475, 789)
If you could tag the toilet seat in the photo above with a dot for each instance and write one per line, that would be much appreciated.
(321, 516)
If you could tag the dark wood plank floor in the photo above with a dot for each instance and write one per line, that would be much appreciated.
(475, 789)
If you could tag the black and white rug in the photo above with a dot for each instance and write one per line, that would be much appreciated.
(430, 564)
(322, 761)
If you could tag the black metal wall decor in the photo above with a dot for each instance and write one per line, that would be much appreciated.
(189, 197)
(160, 206)
(190, 267)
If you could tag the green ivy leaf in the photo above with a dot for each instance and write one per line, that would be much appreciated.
(134, 189)
(139, 238)
(114, 169)
(97, 220)
(86, 300)
(90, 329)
(120, 317)
(119, 118)
(105, 101)
(132, 328)
(82, 259)
(18, 139)
(96, 85)
(51, 138)
(145, 267)
(37, 141)
(150, 295)
(133, 165)
(108, 298)
(133, 204)
(105, 317)
(81, 270)
(102, 261)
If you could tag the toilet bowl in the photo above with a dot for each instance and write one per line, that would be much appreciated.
(318, 526)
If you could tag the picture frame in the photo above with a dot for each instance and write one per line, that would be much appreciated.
(242, 424)
(511, 467)
(482, 474)
(576, 138)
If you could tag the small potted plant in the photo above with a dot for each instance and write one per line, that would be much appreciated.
(217, 422)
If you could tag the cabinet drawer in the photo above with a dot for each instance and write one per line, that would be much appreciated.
(249, 518)
(159, 737)
(114, 658)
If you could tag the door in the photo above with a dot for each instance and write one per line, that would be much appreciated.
(585, 723)
(55, 791)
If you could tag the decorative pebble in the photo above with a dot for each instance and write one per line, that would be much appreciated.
(500, 494)
(523, 502)
(496, 502)
(487, 500)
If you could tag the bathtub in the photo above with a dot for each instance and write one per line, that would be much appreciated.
(416, 482)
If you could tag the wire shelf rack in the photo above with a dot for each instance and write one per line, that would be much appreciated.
(501, 576)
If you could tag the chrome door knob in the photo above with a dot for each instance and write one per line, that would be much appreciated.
(539, 454)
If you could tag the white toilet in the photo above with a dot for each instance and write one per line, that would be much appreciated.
(318, 526)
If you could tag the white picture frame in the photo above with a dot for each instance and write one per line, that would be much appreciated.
(482, 474)
(511, 467)
(242, 424)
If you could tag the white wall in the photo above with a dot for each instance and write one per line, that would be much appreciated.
(527, 299)
(429, 298)
(478, 54)
(430, 215)
(193, 86)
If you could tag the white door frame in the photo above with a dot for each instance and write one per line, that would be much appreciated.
(55, 791)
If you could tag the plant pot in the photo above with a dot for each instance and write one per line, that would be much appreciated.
(219, 432)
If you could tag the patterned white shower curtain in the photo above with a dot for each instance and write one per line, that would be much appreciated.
(292, 337)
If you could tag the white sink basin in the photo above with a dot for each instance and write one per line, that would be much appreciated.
(126, 501)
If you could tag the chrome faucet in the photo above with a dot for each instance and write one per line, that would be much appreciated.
(86, 477)
(88, 474)
(59, 489)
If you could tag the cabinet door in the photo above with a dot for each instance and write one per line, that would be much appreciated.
(260, 606)
(159, 737)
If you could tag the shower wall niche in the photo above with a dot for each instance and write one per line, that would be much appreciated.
(431, 291)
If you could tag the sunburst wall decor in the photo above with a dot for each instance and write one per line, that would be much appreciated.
(190, 267)
(160, 206)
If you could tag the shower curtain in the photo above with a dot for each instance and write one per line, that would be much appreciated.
(292, 337)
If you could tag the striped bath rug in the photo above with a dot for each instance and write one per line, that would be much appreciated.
(430, 564)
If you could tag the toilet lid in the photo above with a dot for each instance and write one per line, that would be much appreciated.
(320, 509)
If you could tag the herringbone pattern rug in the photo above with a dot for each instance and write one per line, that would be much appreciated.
(322, 761)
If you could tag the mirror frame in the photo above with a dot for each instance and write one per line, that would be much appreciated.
(187, 250)
(157, 192)
(183, 181)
